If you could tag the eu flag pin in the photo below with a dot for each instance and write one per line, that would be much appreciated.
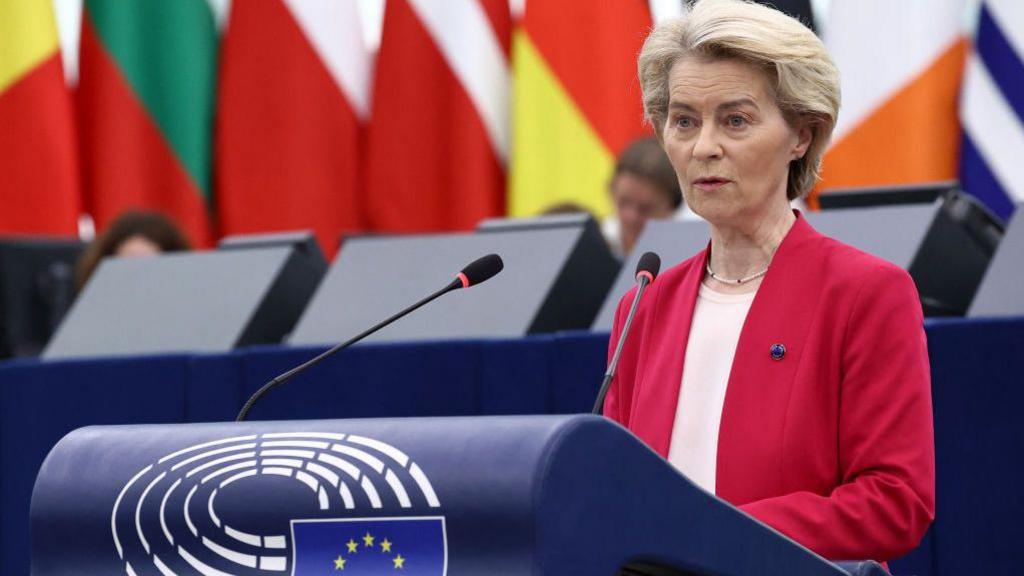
(778, 351)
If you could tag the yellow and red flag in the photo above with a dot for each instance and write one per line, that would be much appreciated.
(577, 100)
(39, 180)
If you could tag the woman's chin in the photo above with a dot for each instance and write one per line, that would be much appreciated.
(713, 210)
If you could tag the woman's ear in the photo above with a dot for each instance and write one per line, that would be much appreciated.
(804, 135)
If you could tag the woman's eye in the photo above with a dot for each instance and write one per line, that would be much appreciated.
(736, 121)
(684, 122)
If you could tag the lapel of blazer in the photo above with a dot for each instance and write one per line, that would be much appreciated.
(750, 437)
(781, 313)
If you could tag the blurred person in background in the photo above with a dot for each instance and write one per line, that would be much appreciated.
(779, 369)
(132, 234)
(643, 186)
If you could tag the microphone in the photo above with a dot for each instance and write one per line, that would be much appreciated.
(646, 271)
(476, 272)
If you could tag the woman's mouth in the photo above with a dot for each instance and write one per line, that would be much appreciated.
(710, 184)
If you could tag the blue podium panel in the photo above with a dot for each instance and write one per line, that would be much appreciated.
(214, 387)
(533, 495)
(42, 401)
(979, 439)
(370, 381)
(514, 376)
(578, 361)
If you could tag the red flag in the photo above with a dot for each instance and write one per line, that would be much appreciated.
(293, 90)
(438, 139)
(39, 184)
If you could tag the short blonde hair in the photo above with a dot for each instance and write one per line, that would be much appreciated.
(804, 78)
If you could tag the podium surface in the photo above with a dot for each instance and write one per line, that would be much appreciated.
(487, 495)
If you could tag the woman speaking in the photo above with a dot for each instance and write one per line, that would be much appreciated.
(780, 369)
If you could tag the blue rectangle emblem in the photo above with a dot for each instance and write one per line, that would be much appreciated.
(409, 546)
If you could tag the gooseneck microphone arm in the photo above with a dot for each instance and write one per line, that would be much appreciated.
(646, 272)
(476, 272)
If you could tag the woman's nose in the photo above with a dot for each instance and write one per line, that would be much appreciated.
(707, 146)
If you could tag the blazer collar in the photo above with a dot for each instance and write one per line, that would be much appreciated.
(786, 293)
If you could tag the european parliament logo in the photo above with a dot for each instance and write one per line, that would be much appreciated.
(354, 547)
(299, 503)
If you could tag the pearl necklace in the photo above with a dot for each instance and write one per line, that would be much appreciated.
(739, 282)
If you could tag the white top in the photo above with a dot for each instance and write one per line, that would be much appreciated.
(714, 333)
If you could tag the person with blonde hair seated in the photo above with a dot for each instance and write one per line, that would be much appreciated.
(780, 369)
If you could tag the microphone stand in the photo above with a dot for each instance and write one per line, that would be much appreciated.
(282, 378)
(642, 281)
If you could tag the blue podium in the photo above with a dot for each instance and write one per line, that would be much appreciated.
(531, 495)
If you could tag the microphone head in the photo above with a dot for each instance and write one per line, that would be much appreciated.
(480, 270)
(648, 267)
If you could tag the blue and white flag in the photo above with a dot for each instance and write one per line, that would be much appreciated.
(992, 109)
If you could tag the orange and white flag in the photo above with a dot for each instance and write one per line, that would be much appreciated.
(901, 65)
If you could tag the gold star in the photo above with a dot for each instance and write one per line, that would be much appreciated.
(352, 546)
(339, 563)
(399, 561)
(385, 545)
(368, 540)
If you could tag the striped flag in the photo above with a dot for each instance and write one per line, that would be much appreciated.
(901, 65)
(992, 109)
(39, 181)
(577, 101)
(293, 95)
(438, 138)
(146, 96)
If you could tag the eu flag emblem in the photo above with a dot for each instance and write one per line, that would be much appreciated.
(414, 546)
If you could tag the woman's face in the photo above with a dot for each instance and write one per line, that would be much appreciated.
(636, 201)
(727, 140)
(137, 245)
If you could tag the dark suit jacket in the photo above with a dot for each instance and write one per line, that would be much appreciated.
(832, 444)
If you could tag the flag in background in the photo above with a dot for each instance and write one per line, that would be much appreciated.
(438, 139)
(992, 109)
(577, 101)
(799, 9)
(39, 179)
(293, 94)
(146, 97)
(901, 66)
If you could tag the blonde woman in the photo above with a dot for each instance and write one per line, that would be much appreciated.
(779, 369)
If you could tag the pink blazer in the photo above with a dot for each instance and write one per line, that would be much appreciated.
(832, 443)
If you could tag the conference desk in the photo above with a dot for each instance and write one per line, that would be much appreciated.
(977, 369)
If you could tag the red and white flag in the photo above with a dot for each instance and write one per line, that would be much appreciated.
(438, 140)
(293, 99)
